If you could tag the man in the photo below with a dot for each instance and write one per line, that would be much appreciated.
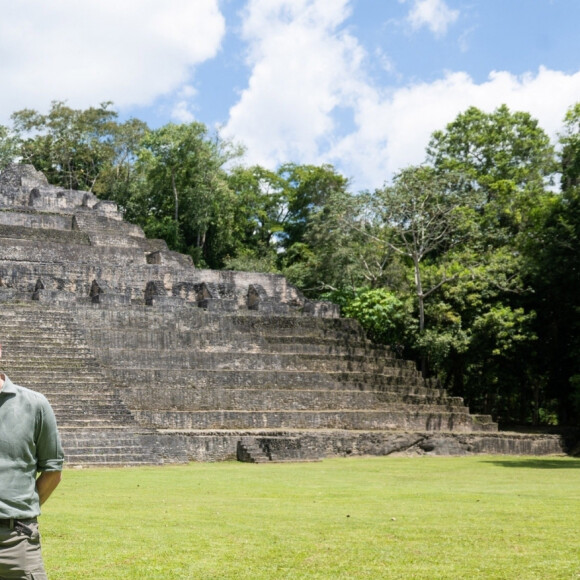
(29, 444)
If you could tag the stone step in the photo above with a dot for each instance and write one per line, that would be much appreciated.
(371, 407)
(74, 402)
(102, 446)
(17, 351)
(74, 410)
(112, 345)
(28, 320)
(239, 358)
(156, 335)
(358, 420)
(60, 385)
(275, 449)
(288, 326)
(120, 434)
(45, 342)
(93, 406)
(10, 233)
(46, 369)
(268, 378)
(251, 452)
(40, 380)
(248, 363)
(186, 369)
(44, 337)
(130, 447)
(89, 396)
(46, 373)
(177, 398)
(250, 325)
(108, 460)
(93, 419)
(105, 457)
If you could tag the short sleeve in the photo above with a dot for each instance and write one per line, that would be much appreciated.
(49, 453)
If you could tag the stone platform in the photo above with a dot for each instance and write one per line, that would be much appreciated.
(147, 359)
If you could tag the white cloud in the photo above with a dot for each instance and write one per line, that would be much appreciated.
(86, 52)
(303, 66)
(435, 14)
(394, 128)
(182, 109)
(305, 69)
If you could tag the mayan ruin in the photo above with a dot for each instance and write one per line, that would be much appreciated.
(147, 359)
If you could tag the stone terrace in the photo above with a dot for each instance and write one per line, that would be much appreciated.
(147, 359)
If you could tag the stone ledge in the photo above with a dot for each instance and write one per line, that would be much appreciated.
(221, 445)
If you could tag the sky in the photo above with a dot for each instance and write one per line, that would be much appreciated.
(359, 84)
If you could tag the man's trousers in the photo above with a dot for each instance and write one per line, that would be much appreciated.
(20, 555)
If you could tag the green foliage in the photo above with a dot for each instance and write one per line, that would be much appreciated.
(421, 218)
(119, 180)
(570, 154)
(185, 182)
(385, 318)
(333, 254)
(9, 147)
(259, 210)
(308, 189)
(507, 157)
(553, 270)
(297, 221)
(575, 394)
(314, 245)
(249, 261)
(70, 146)
(499, 330)
(482, 322)
(499, 151)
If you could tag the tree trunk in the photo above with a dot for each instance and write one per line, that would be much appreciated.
(421, 300)
(176, 199)
(175, 195)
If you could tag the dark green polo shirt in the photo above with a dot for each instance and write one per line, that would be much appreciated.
(29, 443)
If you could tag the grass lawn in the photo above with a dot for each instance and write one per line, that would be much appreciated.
(510, 518)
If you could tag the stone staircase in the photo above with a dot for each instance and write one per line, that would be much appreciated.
(45, 351)
(189, 370)
(275, 449)
(104, 231)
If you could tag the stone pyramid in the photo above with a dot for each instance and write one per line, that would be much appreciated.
(147, 359)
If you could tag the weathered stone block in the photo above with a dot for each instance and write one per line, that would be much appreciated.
(321, 309)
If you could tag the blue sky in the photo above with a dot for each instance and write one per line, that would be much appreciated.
(360, 84)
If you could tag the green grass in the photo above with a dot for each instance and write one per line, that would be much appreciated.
(378, 518)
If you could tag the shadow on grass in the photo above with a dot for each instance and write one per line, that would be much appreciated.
(538, 463)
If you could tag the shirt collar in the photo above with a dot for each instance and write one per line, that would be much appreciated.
(8, 387)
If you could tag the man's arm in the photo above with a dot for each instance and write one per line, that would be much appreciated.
(46, 483)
